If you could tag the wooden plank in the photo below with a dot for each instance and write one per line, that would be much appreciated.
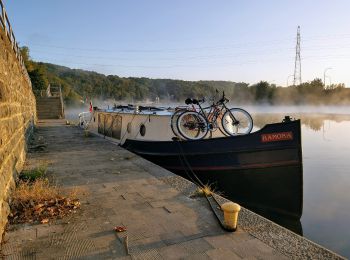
(3, 15)
(8, 30)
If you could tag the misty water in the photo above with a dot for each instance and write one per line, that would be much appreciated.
(326, 164)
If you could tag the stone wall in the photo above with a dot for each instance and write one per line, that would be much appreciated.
(17, 118)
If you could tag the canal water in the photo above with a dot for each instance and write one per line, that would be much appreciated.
(326, 164)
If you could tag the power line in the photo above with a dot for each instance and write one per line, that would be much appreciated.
(170, 50)
(234, 45)
(198, 65)
(176, 58)
(225, 55)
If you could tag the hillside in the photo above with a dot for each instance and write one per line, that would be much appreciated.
(92, 84)
(79, 85)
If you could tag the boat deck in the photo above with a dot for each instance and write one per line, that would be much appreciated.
(162, 221)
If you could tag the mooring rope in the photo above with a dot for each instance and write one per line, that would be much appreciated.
(213, 203)
(189, 166)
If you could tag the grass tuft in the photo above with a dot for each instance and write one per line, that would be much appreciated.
(39, 189)
(33, 174)
(206, 190)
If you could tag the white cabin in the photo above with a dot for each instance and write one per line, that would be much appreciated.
(120, 124)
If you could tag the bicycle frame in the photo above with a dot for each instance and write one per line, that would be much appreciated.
(216, 110)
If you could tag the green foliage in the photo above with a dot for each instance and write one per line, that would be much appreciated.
(38, 78)
(26, 58)
(36, 71)
(33, 174)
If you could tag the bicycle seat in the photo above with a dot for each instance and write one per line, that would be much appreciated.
(188, 101)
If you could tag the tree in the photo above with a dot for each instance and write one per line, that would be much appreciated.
(26, 58)
(317, 84)
(38, 78)
(261, 90)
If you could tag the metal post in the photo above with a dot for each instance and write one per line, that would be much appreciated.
(288, 79)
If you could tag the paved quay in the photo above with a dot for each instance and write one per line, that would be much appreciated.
(162, 220)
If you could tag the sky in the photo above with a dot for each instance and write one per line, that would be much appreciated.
(241, 41)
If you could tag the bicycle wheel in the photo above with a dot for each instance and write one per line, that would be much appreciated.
(173, 121)
(192, 125)
(237, 121)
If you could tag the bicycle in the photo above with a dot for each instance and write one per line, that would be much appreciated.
(178, 111)
(194, 125)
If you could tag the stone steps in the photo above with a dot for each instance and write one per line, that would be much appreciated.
(49, 107)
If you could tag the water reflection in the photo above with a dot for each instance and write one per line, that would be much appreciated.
(326, 153)
(312, 120)
(287, 222)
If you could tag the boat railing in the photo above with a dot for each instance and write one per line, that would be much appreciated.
(85, 119)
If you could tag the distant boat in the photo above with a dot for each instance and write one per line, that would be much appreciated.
(261, 170)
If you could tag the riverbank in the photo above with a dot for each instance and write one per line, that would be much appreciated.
(154, 205)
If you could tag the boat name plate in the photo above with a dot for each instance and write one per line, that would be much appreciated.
(274, 137)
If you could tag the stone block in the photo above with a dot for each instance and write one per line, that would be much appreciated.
(222, 253)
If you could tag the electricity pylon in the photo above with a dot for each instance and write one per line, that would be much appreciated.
(297, 64)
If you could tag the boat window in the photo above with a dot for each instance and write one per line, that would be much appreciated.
(128, 127)
(108, 125)
(117, 126)
(101, 123)
(142, 130)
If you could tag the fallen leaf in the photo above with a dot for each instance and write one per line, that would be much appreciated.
(37, 207)
(44, 221)
(120, 229)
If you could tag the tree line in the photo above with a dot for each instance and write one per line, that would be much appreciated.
(78, 85)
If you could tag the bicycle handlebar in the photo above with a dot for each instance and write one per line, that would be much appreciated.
(223, 99)
(193, 101)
